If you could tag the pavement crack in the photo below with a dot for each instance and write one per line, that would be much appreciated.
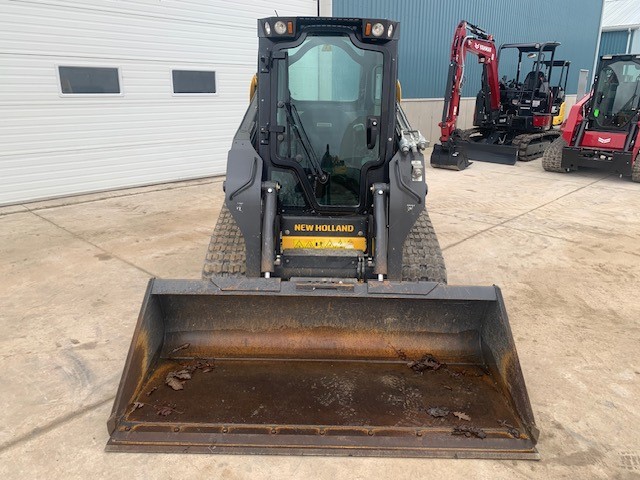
(81, 238)
(502, 223)
(455, 244)
(39, 431)
(524, 230)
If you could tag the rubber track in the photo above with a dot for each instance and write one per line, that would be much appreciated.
(226, 253)
(466, 134)
(552, 158)
(635, 171)
(523, 141)
(422, 256)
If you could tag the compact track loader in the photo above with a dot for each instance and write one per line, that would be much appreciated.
(603, 128)
(323, 323)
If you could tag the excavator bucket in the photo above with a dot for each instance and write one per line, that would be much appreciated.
(320, 368)
(452, 157)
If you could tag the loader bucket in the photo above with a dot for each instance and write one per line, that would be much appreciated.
(450, 157)
(291, 367)
(491, 153)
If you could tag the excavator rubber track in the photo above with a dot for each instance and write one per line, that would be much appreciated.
(533, 145)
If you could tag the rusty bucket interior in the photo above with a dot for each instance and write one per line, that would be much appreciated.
(271, 367)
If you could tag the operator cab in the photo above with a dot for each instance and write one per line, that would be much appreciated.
(529, 101)
(329, 99)
(329, 89)
(616, 97)
(325, 153)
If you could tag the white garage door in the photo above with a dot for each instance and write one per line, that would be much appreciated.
(103, 94)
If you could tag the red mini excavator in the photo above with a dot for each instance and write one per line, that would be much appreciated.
(602, 129)
(514, 118)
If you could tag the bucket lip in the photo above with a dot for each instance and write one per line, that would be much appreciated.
(131, 439)
(276, 286)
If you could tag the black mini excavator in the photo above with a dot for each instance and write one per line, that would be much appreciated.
(513, 118)
(323, 324)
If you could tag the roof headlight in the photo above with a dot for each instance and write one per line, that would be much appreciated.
(280, 27)
(377, 29)
(267, 28)
(390, 30)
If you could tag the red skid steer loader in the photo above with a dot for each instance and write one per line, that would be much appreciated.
(602, 129)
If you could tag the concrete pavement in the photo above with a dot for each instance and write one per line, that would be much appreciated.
(563, 248)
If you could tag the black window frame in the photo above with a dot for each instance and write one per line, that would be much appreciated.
(62, 77)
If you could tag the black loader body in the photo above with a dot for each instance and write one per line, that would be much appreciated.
(322, 152)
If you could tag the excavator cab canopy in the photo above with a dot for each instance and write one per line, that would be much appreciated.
(535, 83)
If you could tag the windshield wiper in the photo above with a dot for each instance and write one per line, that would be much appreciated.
(293, 118)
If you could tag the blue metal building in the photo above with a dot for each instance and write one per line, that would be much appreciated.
(620, 27)
(427, 28)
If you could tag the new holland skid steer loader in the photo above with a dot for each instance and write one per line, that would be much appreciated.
(323, 323)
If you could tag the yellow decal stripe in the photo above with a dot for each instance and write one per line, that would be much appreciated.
(358, 243)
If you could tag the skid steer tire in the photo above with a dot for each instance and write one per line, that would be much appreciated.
(635, 172)
(422, 257)
(552, 157)
(226, 253)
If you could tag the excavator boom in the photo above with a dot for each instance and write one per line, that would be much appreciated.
(467, 38)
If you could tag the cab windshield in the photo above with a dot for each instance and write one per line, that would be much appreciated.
(617, 95)
(329, 96)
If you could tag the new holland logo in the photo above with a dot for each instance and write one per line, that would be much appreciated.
(603, 140)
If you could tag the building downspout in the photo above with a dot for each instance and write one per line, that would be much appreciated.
(629, 36)
(595, 61)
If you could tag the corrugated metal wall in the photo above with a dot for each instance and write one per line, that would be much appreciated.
(427, 29)
(613, 42)
(53, 145)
